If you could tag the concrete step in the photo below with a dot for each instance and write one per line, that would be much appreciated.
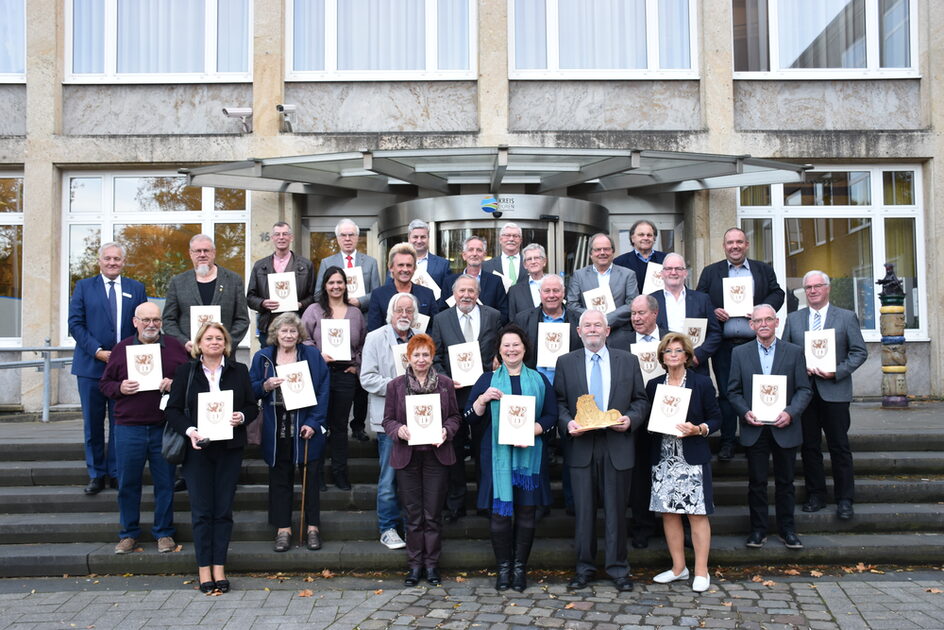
(458, 556)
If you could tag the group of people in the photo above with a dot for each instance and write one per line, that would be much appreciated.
(498, 306)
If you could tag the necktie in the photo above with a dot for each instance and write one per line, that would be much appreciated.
(350, 262)
(817, 321)
(113, 309)
(596, 381)
(467, 328)
(512, 269)
(647, 337)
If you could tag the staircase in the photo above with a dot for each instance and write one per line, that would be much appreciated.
(49, 527)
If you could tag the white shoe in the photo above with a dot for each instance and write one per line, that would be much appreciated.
(700, 584)
(391, 539)
(667, 576)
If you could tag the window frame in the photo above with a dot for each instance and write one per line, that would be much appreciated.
(17, 77)
(14, 219)
(107, 217)
(332, 73)
(873, 69)
(110, 74)
(651, 72)
(877, 212)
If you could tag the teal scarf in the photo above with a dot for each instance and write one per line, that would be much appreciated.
(515, 467)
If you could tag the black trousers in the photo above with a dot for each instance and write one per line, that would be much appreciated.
(343, 388)
(831, 419)
(758, 463)
(721, 362)
(422, 489)
(456, 484)
(282, 487)
(644, 520)
(211, 474)
(359, 419)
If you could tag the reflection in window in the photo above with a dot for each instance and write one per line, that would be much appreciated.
(755, 196)
(84, 241)
(11, 194)
(900, 249)
(230, 241)
(898, 187)
(759, 233)
(156, 253)
(85, 194)
(12, 36)
(11, 279)
(156, 194)
(229, 199)
(822, 34)
(324, 244)
(830, 188)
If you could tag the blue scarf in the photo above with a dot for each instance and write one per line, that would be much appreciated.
(515, 467)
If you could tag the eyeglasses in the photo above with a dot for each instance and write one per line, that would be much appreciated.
(404, 311)
(597, 250)
(815, 287)
(149, 320)
(347, 235)
(764, 320)
(202, 251)
(673, 351)
(678, 269)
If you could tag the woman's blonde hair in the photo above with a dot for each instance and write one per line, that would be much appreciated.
(227, 338)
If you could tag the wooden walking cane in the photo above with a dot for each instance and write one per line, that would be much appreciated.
(301, 527)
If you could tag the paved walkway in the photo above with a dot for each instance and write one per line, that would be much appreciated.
(890, 601)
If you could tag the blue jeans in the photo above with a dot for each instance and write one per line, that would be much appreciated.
(388, 508)
(99, 460)
(135, 446)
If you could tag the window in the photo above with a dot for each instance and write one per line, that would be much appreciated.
(825, 38)
(384, 40)
(602, 39)
(11, 259)
(848, 223)
(12, 41)
(153, 215)
(158, 41)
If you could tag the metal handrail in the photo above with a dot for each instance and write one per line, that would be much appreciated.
(46, 365)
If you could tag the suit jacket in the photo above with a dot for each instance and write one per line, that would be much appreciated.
(519, 299)
(495, 264)
(438, 268)
(90, 322)
(394, 417)
(377, 370)
(184, 293)
(851, 351)
(788, 360)
(696, 305)
(380, 299)
(622, 286)
(368, 266)
(766, 288)
(446, 331)
(633, 337)
(491, 293)
(630, 260)
(258, 290)
(529, 320)
(702, 408)
(627, 394)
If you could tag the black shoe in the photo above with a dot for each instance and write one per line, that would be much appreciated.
(519, 578)
(844, 511)
(623, 584)
(361, 435)
(432, 576)
(640, 542)
(95, 486)
(113, 483)
(453, 516)
(791, 540)
(341, 482)
(180, 485)
(726, 453)
(756, 540)
(222, 586)
(814, 504)
(314, 540)
(414, 576)
(503, 579)
(578, 582)
(207, 587)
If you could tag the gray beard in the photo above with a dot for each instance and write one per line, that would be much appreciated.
(403, 325)
(203, 270)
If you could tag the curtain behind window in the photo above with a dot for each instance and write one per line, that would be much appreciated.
(12, 37)
(88, 36)
(453, 27)
(602, 34)
(381, 35)
(530, 35)
(160, 36)
(822, 34)
(674, 45)
(232, 39)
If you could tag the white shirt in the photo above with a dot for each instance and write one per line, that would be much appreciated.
(510, 261)
(604, 278)
(822, 314)
(422, 261)
(605, 371)
(476, 315)
(118, 300)
(654, 333)
(213, 378)
(535, 286)
(675, 311)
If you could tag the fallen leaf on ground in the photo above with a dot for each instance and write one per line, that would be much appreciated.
(569, 606)
(816, 573)
(308, 578)
(305, 593)
(792, 572)
(327, 574)
(459, 578)
(757, 578)
(188, 581)
(934, 590)
(127, 575)
(727, 603)
(379, 591)
(876, 571)
(267, 589)
(768, 582)
(178, 548)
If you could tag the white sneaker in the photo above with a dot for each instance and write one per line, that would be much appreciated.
(667, 576)
(700, 584)
(391, 539)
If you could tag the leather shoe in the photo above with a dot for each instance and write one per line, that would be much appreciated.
(726, 453)
(432, 576)
(361, 436)
(791, 540)
(112, 483)
(623, 584)
(222, 586)
(844, 511)
(207, 587)
(314, 540)
(283, 542)
(180, 484)
(340, 480)
(414, 576)
(95, 486)
(755, 540)
(814, 504)
(579, 581)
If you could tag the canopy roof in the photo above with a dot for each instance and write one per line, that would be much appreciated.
(539, 169)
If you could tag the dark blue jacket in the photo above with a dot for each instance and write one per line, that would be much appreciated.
(491, 293)
(90, 322)
(380, 298)
(702, 408)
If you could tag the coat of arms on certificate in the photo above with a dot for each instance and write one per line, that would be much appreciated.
(424, 419)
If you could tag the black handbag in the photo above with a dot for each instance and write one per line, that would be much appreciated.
(173, 444)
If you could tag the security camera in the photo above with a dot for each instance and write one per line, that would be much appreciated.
(287, 112)
(244, 114)
(497, 214)
(285, 109)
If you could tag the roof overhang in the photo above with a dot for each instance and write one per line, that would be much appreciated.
(540, 170)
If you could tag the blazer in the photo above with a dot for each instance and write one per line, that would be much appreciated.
(851, 351)
(696, 305)
(529, 320)
(519, 299)
(394, 417)
(702, 408)
(438, 268)
(377, 370)
(766, 288)
(630, 260)
(495, 264)
(368, 267)
(380, 299)
(788, 360)
(491, 293)
(184, 293)
(622, 285)
(627, 394)
(235, 376)
(258, 289)
(90, 322)
(446, 331)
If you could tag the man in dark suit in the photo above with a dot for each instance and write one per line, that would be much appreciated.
(642, 235)
(601, 460)
(735, 330)
(347, 234)
(526, 294)
(828, 412)
(491, 289)
(401, 263)
(281, 261)
(622, 283)
(465, 322)
(676, 303)
(509, 261)
(207, 284)
(436, 266)
(100, 314)
(768, 355)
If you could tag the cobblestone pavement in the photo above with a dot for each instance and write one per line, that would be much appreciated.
(891, 601)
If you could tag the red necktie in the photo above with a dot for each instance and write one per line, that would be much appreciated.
(350, 262)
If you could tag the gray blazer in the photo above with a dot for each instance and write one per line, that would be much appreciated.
(623, 287)
(446, 331)
(850, 349)
(184, 293)
(627, 394)
(378, 369)
(365, 262)
(788, 360)
(519, 299)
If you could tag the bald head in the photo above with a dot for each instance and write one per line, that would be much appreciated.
(147, 321)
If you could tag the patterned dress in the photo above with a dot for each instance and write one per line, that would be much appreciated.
(677, 486)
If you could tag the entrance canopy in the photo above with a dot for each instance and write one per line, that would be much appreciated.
(540, 170)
